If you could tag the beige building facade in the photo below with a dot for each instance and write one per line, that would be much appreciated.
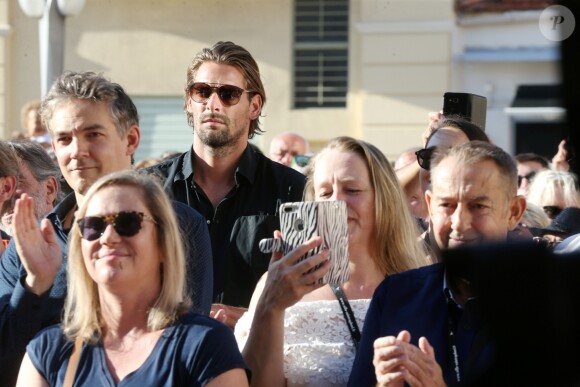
(401, 59)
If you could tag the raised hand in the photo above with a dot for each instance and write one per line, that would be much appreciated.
(434, 118)
(560, 159)
(37, 247)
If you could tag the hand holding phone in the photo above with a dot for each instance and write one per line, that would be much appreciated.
(301, 221)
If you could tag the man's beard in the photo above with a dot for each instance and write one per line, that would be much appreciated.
(219, 139)
(41, 209)
(215, 139)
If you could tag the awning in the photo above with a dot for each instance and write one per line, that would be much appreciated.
(516, 54)
(537, 103)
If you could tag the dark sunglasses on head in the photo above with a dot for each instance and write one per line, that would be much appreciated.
(552, 211)
(228, 94)
(125, 223)
(528, 177)
(424, 157)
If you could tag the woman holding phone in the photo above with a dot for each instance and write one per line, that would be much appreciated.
(296, 332)
(127, 318)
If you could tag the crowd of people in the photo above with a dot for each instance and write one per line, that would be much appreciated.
(150, 273)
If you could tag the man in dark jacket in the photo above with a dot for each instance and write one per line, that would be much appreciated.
(237, 189)
(425, 326)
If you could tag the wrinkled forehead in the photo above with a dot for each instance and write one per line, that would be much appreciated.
(451, 170)
(482, 177)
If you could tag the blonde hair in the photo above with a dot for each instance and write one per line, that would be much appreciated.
(546, 183)
(82, 313)
(395, 232)
(534, 216)
(27, 108)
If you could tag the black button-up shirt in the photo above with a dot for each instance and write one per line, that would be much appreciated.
(248, 213)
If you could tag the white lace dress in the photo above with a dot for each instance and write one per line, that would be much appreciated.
(318, 348)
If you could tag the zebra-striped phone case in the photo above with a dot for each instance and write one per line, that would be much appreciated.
(301, 221)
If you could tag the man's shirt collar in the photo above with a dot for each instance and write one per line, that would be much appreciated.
(59, 213)
(246, 166)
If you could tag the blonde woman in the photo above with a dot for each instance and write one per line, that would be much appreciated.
(126, 314)
(553, 191)
(295, 333)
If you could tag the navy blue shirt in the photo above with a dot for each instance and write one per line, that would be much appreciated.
(189, 353)
(418, 301)
(23, 314)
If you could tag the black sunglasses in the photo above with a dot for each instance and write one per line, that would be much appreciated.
(528, 177)
(552, 211)
(228, 94)
(424, 157)
(125, 223)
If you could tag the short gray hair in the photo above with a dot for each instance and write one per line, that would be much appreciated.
(41, 166)
(92, 87)
(474, 152)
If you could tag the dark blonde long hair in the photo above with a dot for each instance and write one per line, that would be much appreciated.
(395, 248)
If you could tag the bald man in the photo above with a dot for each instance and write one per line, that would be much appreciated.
(285, 146)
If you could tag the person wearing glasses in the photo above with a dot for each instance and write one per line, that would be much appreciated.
(444, 133)
(285, 146)
(554, 191)
(425, 326)
(95, 131)
(127, 314)
(237, 189)
(441, 133)
(529, 164)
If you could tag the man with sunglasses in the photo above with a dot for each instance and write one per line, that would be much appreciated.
(95, 131)
(237, 189)
(528, 165)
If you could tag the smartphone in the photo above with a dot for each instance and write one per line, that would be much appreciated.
(300, 221)
(472, 107)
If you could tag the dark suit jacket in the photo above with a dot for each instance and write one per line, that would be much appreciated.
(418, 301)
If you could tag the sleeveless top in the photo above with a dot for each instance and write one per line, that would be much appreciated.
(318, 347)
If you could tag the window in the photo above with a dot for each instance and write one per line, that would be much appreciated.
(320, 53)
(163, 126)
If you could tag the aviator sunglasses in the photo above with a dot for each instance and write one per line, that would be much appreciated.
(228, 94)
(125, 223)
(424, 157)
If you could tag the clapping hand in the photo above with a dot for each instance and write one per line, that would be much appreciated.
(397, 361)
